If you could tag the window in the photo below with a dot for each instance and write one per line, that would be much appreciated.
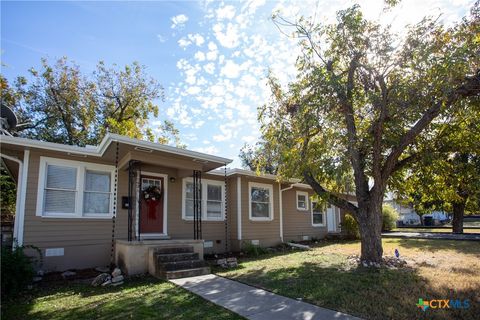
(214, 201)
(213, 206)
(302, 200)
(261, 201)
(96, 197)
(318, 214)
(72, 189)
(60, 190)
(188, 200)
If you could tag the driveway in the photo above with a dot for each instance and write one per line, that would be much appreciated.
(432, 235)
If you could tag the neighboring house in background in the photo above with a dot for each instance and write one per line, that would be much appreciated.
(436, 218)
(158, 196)
(407, 215)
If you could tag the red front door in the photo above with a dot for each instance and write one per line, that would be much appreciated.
(151, 213)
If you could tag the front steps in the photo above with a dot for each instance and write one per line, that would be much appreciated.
(177, 262)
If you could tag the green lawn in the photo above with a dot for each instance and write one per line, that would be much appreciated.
(324, 276)
(138, 298)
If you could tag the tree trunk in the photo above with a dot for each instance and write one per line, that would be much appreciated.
(370, 225)
(458, 212)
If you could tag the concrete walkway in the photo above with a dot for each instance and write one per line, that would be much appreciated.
(432, 235)
(253, 303)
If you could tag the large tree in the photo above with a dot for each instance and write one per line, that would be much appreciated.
(447, 175)
(59, 103)
(362, 97)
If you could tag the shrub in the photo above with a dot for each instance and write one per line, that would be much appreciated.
(17, 270)
(390, 217)
(351, 227)
(253, 250)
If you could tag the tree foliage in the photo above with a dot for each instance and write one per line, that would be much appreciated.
(61, 104)
(259, 157)
(361, 99)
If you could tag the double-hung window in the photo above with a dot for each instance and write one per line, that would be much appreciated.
(261, 201)
(302, 200)
(213, 201)
(72, 189)
(318, 214)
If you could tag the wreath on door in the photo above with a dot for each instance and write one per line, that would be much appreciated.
(152, 195)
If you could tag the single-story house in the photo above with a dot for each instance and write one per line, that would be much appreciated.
(89, 206)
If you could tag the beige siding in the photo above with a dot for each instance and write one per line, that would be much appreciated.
(86, 242)
(267, 232)
(298, 223)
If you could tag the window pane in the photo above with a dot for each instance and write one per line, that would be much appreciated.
(96, 202)
(260, 194)
(97, 181)
(318, 218)
(301, 198)
(189, 208)
(61, 177)
(214, 192)
(60, 201)
(214, 209)
(189, 191)
(260, 210)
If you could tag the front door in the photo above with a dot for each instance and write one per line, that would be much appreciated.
(152, 198)
(331, 219)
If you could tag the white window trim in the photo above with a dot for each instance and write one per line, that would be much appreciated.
(270, 190)
(302, 193)
(205, 182)
(323, 213)
(81, 167)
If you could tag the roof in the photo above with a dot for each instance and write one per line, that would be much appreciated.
(98, 151)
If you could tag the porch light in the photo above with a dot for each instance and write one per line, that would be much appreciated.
(172, 179)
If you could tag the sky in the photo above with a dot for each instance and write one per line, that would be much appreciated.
(212, 57)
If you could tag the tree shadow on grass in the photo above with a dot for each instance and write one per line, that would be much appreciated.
(142, 298)
(367, 293)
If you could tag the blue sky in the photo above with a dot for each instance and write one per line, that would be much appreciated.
(211, 56)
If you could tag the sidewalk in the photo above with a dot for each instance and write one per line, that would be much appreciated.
(253, 303)
(432, 235)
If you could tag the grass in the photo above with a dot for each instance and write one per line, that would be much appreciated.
(324, 276)
(442, 230)
(138, 298)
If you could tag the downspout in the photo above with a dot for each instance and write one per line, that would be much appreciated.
(21, 193)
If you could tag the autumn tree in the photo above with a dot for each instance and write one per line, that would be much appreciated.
(261, 156)
(362, 97)
(58, 103)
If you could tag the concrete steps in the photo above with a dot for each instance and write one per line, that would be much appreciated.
(178, 262)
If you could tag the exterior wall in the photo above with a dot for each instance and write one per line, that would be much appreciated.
(266, 232)
(86, 241)
(297, 224)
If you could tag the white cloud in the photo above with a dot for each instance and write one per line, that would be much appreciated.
(209, 68)
(200, 56)
(227, 36)
(179, 21)
(231, 69)
(197, 39)
(161, 38)
(226, 12)
(183, 42)
(193, 90)
(208, 150)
